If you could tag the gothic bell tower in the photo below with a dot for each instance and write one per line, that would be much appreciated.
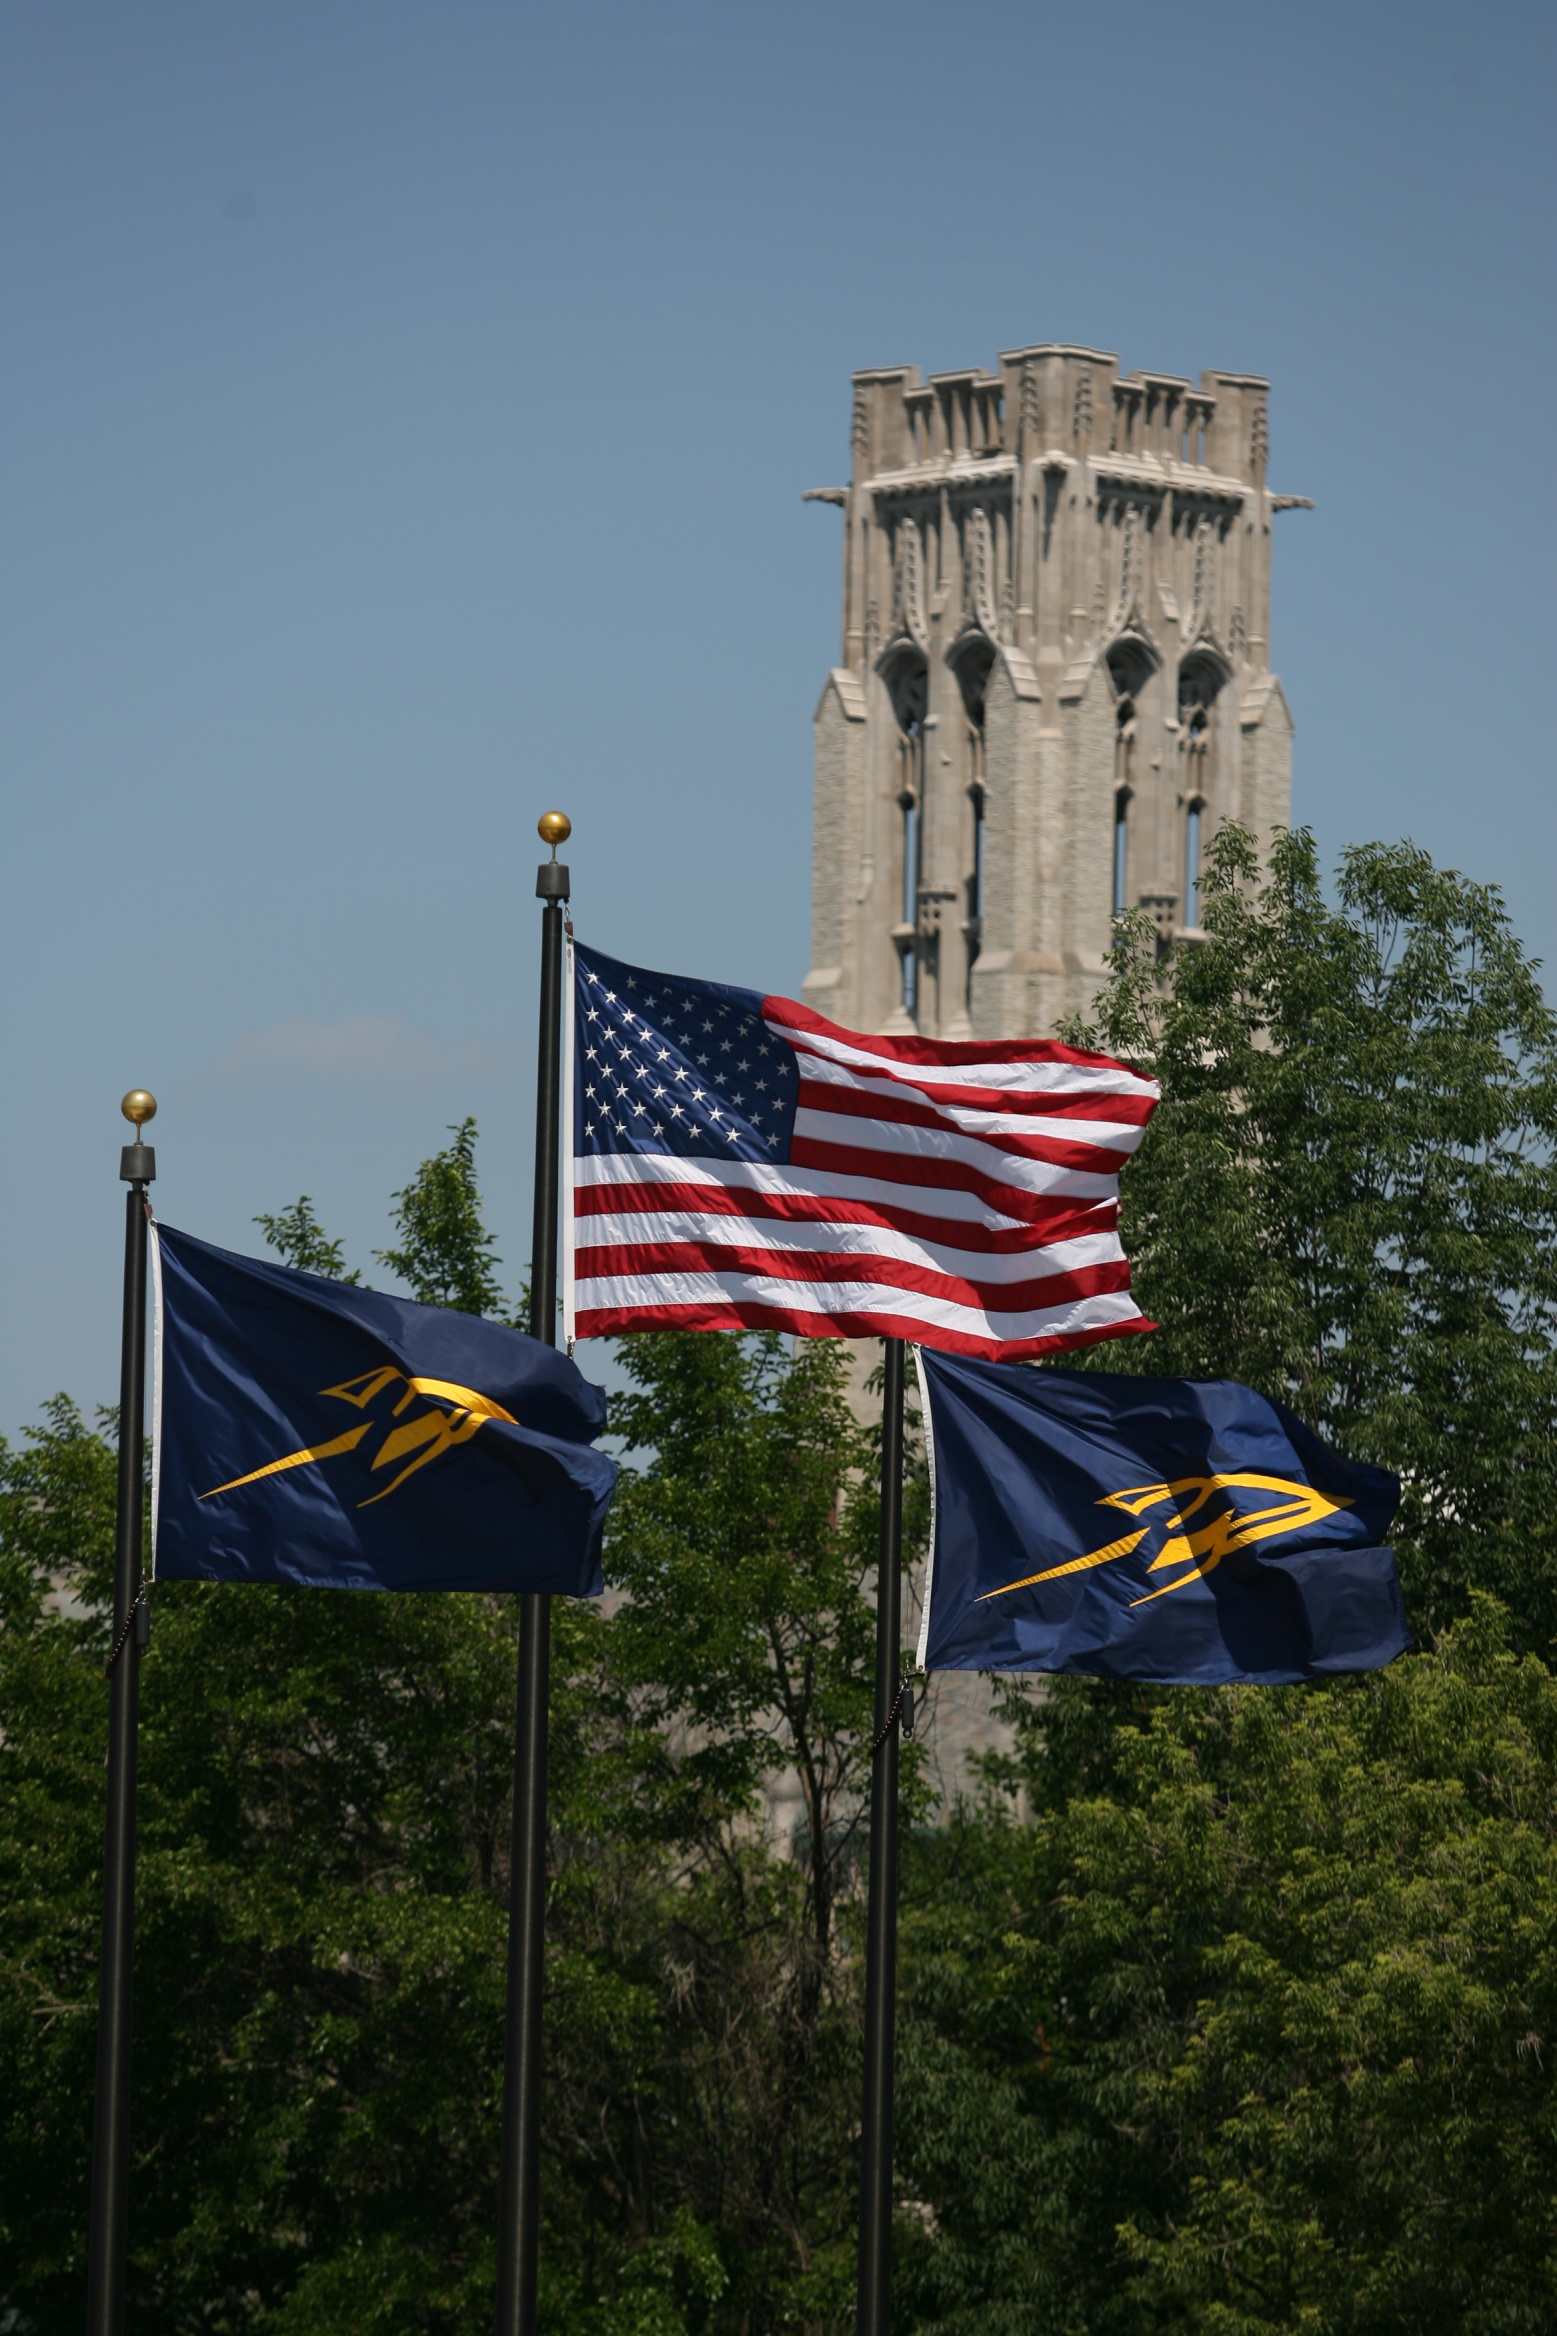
(1054, 685)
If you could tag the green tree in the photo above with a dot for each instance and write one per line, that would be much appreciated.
(744, 1548)
(445, 1252)
(1244, 2027)
(1219, 2010)
(1214, 2035)
(321, 1917)
(57, 1496)
(1348, 1195)
(303, 1243)
(322, 1902)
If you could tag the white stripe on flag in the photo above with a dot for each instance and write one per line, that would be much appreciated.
(645, 1168)
(913, 1144)
(1106, 1134)
(631, 1228)
(819, 1300)
(1030, 1078)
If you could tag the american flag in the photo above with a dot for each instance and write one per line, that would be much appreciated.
(738, 1163)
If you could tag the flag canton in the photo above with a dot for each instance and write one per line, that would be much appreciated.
(666, 1065)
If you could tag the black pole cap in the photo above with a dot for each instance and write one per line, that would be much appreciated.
(551, 880)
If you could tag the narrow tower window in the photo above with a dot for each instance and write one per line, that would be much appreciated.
(1124, 788)
(1200, 681)
(910, 809)
(1192, 863)
(975, 925)
(907, 682)
(972, 664)
(1130, 669)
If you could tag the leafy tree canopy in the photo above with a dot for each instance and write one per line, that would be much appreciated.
(1246, 2024)
(445, 1251)
(303, 1243)
(1226, 2011)
(1348, 1195)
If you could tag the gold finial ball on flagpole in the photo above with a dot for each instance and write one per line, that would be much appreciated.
(554, 828)
(139, 1106)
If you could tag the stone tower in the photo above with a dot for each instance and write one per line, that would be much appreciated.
(1055, 682)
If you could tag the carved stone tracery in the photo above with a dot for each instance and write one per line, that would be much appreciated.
(908, 614)
(1200, 614)
(859, 427)
(978, 599)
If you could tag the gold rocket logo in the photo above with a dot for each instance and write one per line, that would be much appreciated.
(1285, 1507)
(455, 1415)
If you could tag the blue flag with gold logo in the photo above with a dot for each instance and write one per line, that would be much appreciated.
(1179, 1530)
(343, 1439)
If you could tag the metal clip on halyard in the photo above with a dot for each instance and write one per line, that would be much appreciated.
(902, 1706)
(137, 1620)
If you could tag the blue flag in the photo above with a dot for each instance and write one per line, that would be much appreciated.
(343, 1439)
(1180, 1530)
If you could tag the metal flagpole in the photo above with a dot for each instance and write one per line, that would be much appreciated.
(519, 2206)
(892, 1693)
(132, 1628)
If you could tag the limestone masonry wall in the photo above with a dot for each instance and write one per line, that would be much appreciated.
(1054, 684)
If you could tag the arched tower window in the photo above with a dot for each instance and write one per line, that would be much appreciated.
(1200, 682)
(907, 680)
(972, 667)
(1129, 669)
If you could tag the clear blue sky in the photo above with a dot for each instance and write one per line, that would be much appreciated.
(405, 417)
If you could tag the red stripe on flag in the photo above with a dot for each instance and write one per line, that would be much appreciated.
(930, 1175)
(614, 1321)
(935, 1053)
(899, 1110)
(1121, 1110)
(821, 1266)
(1062, 1221)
